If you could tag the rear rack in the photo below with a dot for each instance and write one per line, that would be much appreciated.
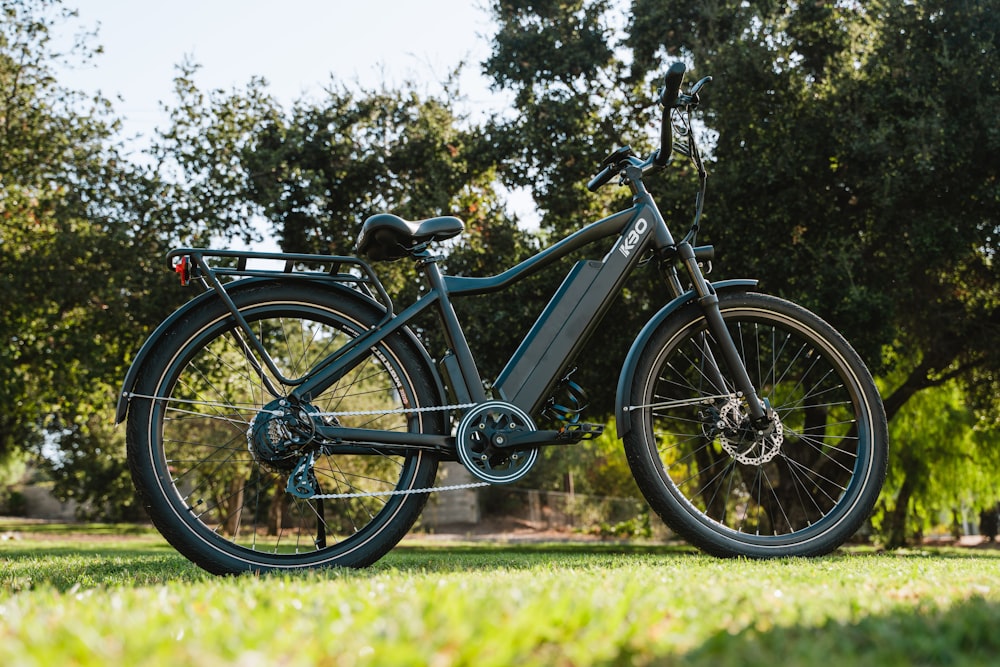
(194, 264)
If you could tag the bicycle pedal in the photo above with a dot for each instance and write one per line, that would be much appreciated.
(580, 431)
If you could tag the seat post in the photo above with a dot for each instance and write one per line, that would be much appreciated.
(453, 333)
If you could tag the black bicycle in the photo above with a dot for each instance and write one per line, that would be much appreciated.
(289, 417)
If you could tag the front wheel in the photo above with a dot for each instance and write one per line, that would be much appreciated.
(800, 485)
(207, 457)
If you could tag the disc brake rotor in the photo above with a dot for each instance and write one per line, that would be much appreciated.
(743, 441)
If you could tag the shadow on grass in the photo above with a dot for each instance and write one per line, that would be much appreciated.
(960, 634)
(63, 561)
(52, 528)
(61, 557)
(82, 560)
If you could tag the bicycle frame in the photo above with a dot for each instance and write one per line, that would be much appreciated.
(560, 331)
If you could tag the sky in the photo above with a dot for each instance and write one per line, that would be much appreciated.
(296, 45)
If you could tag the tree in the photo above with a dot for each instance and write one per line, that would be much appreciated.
(950, 464)
(852, 164)
(79, 240)
(314, 173)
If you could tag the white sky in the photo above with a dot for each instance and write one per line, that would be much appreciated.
(295, 44)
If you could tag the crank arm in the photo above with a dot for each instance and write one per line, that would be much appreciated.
(530, 439)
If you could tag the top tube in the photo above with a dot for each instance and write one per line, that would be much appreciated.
(609, 226)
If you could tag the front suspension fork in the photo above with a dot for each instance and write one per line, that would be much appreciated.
(760, 410)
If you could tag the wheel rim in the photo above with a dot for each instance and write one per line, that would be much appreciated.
(785, 488)
(234, 501)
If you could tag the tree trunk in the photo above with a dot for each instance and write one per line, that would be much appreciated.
(276, 515)
(914, 382)
(234, 506)
(894, 528)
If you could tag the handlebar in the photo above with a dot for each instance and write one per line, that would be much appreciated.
(602, 177)
(668, 98)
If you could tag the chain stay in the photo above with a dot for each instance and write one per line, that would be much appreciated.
(405, 492)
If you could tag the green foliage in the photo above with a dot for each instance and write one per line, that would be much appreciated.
(598, 467)
(13, 469)
(80, 249)
(945, 461)
(852, 150)
(558, 60)
(318, 170)
(133, 602)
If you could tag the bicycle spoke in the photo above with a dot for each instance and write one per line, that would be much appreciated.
(773, 483)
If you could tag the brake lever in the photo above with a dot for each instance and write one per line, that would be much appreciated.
(691, 100)
(696, 87)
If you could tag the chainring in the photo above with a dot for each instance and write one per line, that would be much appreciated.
(480, 432)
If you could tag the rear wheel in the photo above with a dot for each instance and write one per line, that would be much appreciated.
(798, 486)
(202, 456)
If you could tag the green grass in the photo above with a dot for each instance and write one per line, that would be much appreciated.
(69, 599)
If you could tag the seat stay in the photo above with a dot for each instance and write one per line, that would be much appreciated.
(341, 361)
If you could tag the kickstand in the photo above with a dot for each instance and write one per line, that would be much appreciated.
(321, 525)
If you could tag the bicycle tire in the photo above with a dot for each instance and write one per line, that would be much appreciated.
(801, 490)
(219, 504)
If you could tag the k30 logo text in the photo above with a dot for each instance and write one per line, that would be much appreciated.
(631, 239)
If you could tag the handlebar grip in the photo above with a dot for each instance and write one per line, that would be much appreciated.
(602, 177)
(668, 98)
(672, 84)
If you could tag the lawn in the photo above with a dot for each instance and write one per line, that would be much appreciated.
(109, 599)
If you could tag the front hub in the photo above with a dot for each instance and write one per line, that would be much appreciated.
(749, 443)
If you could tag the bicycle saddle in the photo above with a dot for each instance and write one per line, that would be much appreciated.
(386, 237)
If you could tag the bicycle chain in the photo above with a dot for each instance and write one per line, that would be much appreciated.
(405, 492)
(356, 413)
(395, 492)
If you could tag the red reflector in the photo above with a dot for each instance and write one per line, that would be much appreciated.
(182, 268)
